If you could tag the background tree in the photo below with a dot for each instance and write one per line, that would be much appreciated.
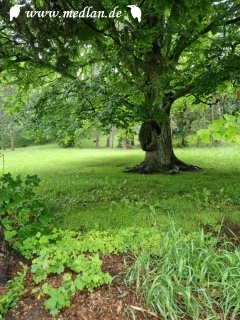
(7, 94)
(2, 117)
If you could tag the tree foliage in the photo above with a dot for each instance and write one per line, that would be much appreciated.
(119, 70)
(227, 129)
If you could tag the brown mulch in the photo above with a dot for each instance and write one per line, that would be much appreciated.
(115, 302)
(105, 303)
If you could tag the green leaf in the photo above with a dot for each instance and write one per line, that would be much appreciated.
(204, 135)
(230, 118)
(67, 277)
(80, 284)
(214, 126)
(68, 303)
(46, 287)
(51, 303)
(39, 2)
(230, 134)
(216, 136)
(237, 139)
(60, 269)
(54, 312)
(61, 300)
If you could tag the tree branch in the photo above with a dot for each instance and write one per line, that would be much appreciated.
(204, 102)
(232, 21)
(183, 42)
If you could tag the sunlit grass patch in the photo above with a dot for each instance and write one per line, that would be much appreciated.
(87, 188)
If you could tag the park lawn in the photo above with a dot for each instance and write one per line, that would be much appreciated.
(87, 189)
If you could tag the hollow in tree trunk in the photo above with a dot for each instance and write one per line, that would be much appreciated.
(156, 141)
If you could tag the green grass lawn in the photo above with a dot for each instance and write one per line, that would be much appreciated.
(87, 188)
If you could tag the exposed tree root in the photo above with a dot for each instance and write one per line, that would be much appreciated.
(174, 168)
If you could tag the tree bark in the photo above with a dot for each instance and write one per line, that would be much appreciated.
(12, 134)
(212, 111)
(156, 140)
(2, 129)
(125, 143)
(108, 142)
(97, 140)
(112, 136)
(4, 258)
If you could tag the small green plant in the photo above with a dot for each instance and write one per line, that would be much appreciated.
(21, 214)
(15, 291)
(201, 198)
(64, 249)
(61, 297)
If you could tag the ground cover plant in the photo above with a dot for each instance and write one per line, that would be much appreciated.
(98, 211)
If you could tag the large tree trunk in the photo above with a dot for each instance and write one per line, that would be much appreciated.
(156, 140)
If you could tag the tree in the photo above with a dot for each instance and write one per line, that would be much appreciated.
(6, 119)
(178, 48)
(2, 117)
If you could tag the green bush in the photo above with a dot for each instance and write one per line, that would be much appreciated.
(21, 214)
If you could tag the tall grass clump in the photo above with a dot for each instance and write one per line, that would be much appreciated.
(188, 275)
